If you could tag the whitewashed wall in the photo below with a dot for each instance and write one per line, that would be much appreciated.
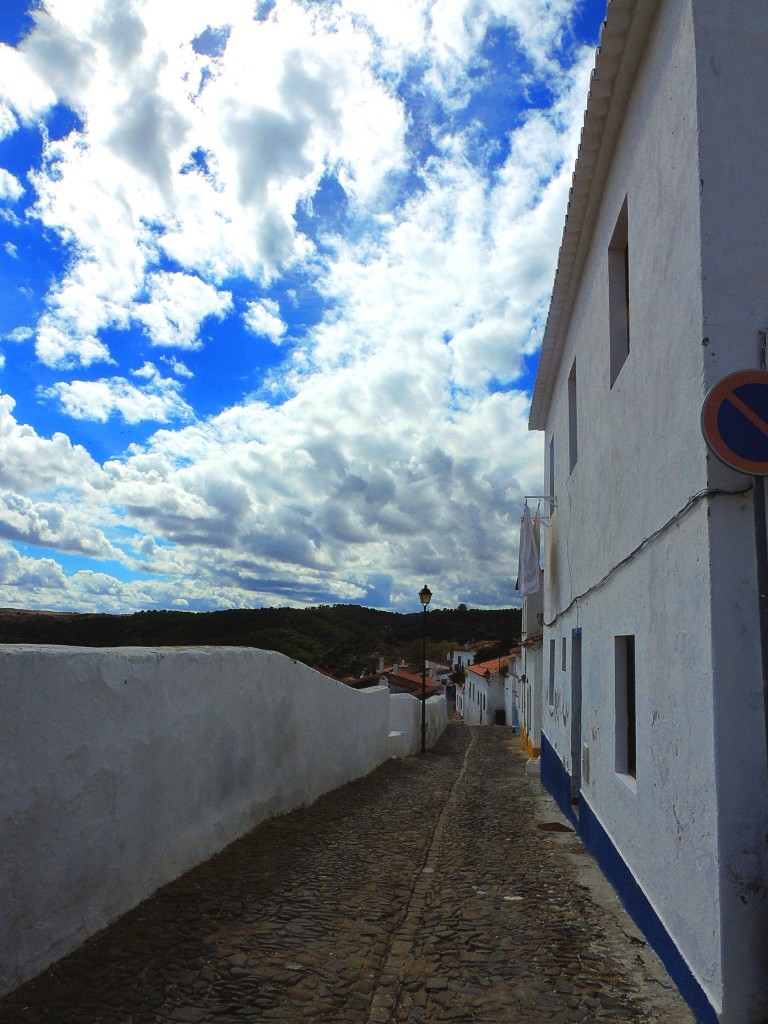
(698, 287)
(640, 457)
(529, 658)
(405, 722)
(531, 689)
(473, 693)
(512, 690)
(733, 112)
(120, 769)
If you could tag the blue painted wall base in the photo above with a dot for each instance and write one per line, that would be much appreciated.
(556, 780)
(557, 783)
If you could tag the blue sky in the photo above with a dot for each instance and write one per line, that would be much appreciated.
(273, 282)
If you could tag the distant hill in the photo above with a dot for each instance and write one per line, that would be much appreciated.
(343, 639)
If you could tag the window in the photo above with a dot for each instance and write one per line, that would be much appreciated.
(564, 656)
(573, 440)
(626, 707)
(618, 293)
(552, 466)
(551, 672)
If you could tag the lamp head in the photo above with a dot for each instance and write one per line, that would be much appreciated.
(425, 595)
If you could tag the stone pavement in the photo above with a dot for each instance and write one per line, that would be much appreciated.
(426, 892)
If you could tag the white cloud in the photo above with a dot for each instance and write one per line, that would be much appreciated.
(8, 123)
(378, 461)
(288, 99)
(10, 186)
(178, 304)
(177, 367)
(19, 334)
(32, 464)
(392, 462)
(59, 342)
(97, 400)
(21, 87)
(45, 524)
(147, 370)
(263, 317)
(26, 580)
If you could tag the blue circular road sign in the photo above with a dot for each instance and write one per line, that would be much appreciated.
(734, 421)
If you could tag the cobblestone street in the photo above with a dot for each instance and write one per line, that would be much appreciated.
(425, 892)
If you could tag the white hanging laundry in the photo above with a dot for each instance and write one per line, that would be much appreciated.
(528, 557)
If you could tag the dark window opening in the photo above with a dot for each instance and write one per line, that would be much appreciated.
(552, 466)
(618, 293)
(573, 426)
(551, 672)
(626, 707)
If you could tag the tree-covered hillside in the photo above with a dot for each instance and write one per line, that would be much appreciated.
(344, 639)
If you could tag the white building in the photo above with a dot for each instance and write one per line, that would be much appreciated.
(458, 700)
(474, 699)
(512, 692)
(528, 668)
(653, 731)
(463, 657)
(484, 697)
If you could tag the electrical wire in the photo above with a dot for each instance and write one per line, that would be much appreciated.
(707, 492)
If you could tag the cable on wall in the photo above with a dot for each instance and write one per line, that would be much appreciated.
(708, 492)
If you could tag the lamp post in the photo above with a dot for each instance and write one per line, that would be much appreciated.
(424, 596)
(487, 677)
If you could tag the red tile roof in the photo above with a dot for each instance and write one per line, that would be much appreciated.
(409, 683)
(494, 666)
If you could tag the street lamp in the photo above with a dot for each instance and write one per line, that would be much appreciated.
(424, 596)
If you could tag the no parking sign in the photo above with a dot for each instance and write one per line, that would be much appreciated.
(734, 421)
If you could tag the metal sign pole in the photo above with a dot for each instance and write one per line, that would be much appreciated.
(734, 421)
(761, 550)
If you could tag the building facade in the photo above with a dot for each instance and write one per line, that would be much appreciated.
(652, 722)
(529, 669)
(484, 693)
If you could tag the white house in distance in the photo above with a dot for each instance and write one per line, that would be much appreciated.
(461, 658)
(484, 695)
(653, 729)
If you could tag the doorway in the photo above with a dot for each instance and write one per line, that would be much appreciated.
(575, 717)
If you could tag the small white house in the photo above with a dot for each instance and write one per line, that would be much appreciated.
(461, 659)
(653, 725)
(484, 697)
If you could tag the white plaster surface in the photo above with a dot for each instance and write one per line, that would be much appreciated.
(529, 660)
(405, 722)
(733, 154)
(512, 689)
(122, 768)
(483, 698)
(690, 158)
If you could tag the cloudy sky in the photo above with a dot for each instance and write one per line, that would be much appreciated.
(273, 276)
